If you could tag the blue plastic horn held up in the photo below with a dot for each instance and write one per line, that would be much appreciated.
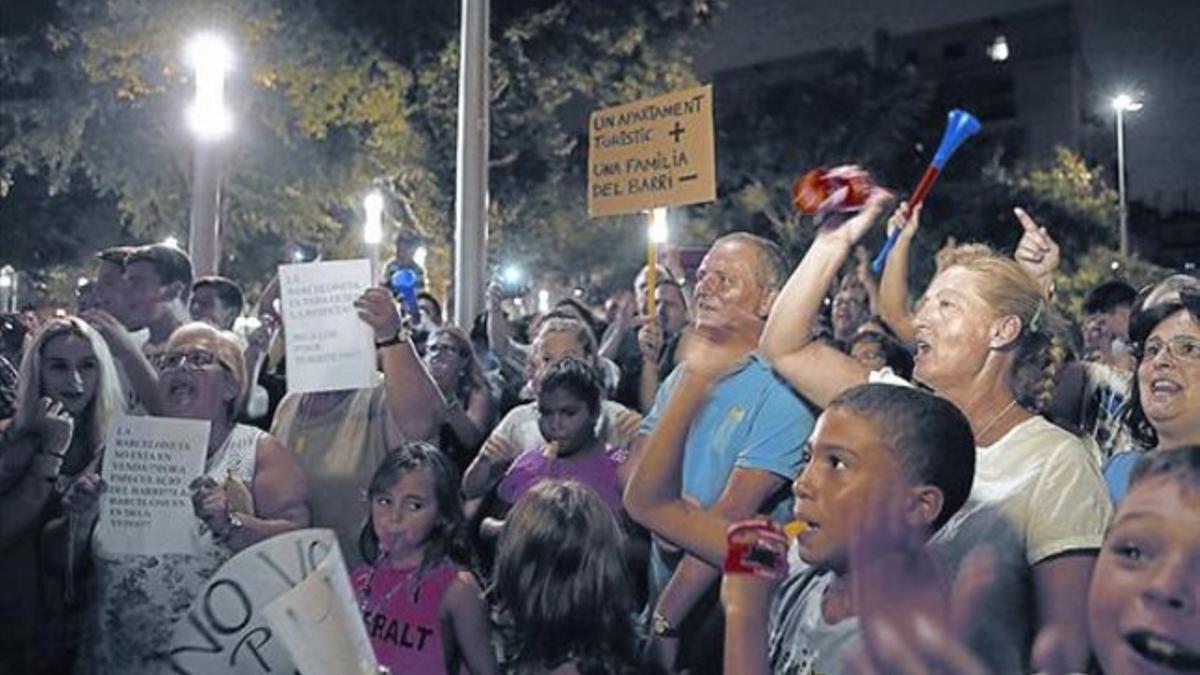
(404, 285)
(960, 125)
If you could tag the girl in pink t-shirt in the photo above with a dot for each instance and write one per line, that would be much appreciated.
(568, 407)
(424, 614)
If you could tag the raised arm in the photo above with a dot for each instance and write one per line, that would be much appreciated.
(32, 457)
(818, 371)
(653, 496)
(625, 321)
(413, 398)
(650, 343)
(470, 420)
(893, 285)
(497, 453)
(142, 376)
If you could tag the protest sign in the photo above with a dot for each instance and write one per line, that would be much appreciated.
(651, 153)
(328, 346)
(149, 465)
(319, 622)
(226, 630)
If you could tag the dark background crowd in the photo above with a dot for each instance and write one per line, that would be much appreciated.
(554, 492)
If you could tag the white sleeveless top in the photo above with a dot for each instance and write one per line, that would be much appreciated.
(138, 598)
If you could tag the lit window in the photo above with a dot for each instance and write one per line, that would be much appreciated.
(998, 50)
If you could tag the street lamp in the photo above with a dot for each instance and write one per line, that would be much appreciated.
(1122, 103)
(8, 280)
(373, 228)
(208, 118)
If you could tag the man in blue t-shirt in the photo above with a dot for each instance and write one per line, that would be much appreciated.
(742, 449)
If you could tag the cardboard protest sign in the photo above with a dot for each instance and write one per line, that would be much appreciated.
(328, 346)
(149, 464)
(226, 630)
(651, 153)
(319, 622)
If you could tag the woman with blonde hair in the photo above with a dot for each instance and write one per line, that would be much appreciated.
(67, 396)
(984, 342)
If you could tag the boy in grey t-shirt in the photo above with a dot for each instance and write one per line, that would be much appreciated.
(870, 438)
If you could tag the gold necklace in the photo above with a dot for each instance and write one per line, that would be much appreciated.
(995, 419)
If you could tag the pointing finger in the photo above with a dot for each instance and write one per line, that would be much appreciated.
(1027, 222)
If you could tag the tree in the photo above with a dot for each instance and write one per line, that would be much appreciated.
(330, 99)
(848, 110)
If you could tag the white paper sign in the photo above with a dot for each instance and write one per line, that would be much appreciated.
(225, 632)
(320, 624)
(149, 464)
(328, 346)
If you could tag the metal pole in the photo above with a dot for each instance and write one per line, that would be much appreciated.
(1124, 213)
(471, 194)
(205, 235)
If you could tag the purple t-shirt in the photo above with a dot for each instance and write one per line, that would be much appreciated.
(597, 471)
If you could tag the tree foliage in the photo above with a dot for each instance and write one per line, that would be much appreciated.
(330, 99)
(852, 110)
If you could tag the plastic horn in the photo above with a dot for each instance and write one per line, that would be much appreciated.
(404, 283)
(960, 125)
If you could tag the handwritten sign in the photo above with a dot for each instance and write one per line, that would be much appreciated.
(149, 464)
(225, 632)
(650, 153)
(328, 346)
(319, 622)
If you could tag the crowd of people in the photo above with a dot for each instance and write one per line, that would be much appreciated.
(777, 468)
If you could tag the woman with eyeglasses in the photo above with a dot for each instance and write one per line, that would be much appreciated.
(1164, 410)
(251, 489)
(468, 414)
(67, 395)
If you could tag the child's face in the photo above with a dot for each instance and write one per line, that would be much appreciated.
(1144, 605)
(405, 514)
(565, 419)
(848, 463)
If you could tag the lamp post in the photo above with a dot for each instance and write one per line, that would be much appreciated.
(471, 178)
(373, 229)
(210, 121)
(1122, 103)
(8, 285)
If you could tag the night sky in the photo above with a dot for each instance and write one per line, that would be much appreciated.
(1147, 46)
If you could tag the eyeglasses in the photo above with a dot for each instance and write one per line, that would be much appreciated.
(1182, 348)
(192, 360)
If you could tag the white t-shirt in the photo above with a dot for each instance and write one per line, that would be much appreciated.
(1037, 493)
(520, 427)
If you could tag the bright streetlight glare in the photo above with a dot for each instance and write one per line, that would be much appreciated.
(171, 241)
(512, 275)
(373, 205)
(659, 232)
(209, 52)
(1125, 102)
(210, 56)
